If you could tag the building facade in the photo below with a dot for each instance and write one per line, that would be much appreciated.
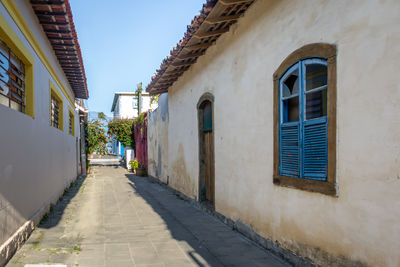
(126, 106)
(287, 124)
(40, 124)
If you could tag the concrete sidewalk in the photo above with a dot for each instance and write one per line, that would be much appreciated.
(113, 218)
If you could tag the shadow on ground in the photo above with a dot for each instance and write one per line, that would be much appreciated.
(53, 217)
(209, 241)
(178, 231)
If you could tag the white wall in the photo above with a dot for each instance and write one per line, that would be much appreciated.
(157, 140)
(37, 161)
(362, 223)
(126, 110)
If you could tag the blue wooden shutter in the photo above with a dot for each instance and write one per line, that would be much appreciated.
(290, 149)
(315, 149)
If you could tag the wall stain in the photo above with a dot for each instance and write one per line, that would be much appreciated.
(179, 177)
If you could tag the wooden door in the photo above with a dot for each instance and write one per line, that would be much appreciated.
(207, 149)
(209, 165)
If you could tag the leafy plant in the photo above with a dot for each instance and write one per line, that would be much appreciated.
(154, 98)
(134, 164)
(101, 116)
(138, 94)
(122, 129)
(96, 138)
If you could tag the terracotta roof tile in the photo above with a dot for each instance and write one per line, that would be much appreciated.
(214, 19)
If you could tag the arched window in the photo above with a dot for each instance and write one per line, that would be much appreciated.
(305, 119)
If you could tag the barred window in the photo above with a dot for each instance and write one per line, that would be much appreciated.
(70, 121)
(12, 79)
(55, 112)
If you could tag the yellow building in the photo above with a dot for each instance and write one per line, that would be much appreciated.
(42, 79)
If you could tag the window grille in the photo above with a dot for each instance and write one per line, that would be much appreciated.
(55, 112)
(70, 124)
(12, 79)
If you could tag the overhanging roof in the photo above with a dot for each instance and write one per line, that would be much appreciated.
(55, 16)
(214, 19)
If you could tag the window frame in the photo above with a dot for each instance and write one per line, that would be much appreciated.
(57, 95)
(72, 118)
(19, 49)
(316, 50)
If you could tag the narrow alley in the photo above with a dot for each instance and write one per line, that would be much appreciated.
(113, 218)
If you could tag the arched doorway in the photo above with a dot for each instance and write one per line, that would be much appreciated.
(206, 149)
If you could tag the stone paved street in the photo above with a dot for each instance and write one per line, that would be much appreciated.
(113, 218)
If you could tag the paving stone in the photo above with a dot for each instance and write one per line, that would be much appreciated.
(118, 219)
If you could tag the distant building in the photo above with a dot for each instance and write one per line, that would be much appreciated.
(125, 106)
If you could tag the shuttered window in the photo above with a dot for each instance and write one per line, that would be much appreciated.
(303, 120)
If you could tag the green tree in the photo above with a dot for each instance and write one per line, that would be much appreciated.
(101, 116)
(138, 94)
(122, 130)
(96, 138)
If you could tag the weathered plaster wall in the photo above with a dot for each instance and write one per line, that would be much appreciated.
(157, 140)
(37, 161)
(362, 223)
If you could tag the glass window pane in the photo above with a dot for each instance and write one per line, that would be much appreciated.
(4, 88)
(290, 109)
(207, 117)
(15, 105)
(16, 62)
(4, 75)
(316, 104)
(4, 61)
(3, 49)
(316, 76)
(291, 84)
(4, 100)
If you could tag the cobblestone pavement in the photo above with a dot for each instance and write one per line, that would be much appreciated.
(113, 218)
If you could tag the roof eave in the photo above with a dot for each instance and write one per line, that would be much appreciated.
(214, 19)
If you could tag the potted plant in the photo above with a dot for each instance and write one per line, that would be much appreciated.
(134, 164)
(141, 170)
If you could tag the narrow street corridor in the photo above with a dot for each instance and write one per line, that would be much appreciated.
(113, 218)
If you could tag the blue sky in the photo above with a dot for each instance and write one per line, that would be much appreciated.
(124, 41)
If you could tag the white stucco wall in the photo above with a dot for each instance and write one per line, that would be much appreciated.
(362, 223)
(157, 140)
(125, 108)
(37, 161)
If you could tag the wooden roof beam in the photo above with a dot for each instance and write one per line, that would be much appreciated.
(167, 77)
(64, 50)
(222, 19)
(55, 3)
(190, 55)
(60, 38)
(179, 64)
(233, 2)
(54, 23)
(164, 84)
(198, 46)
(63, 44)
(56, 31)
(50, 13)
(210, 34)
